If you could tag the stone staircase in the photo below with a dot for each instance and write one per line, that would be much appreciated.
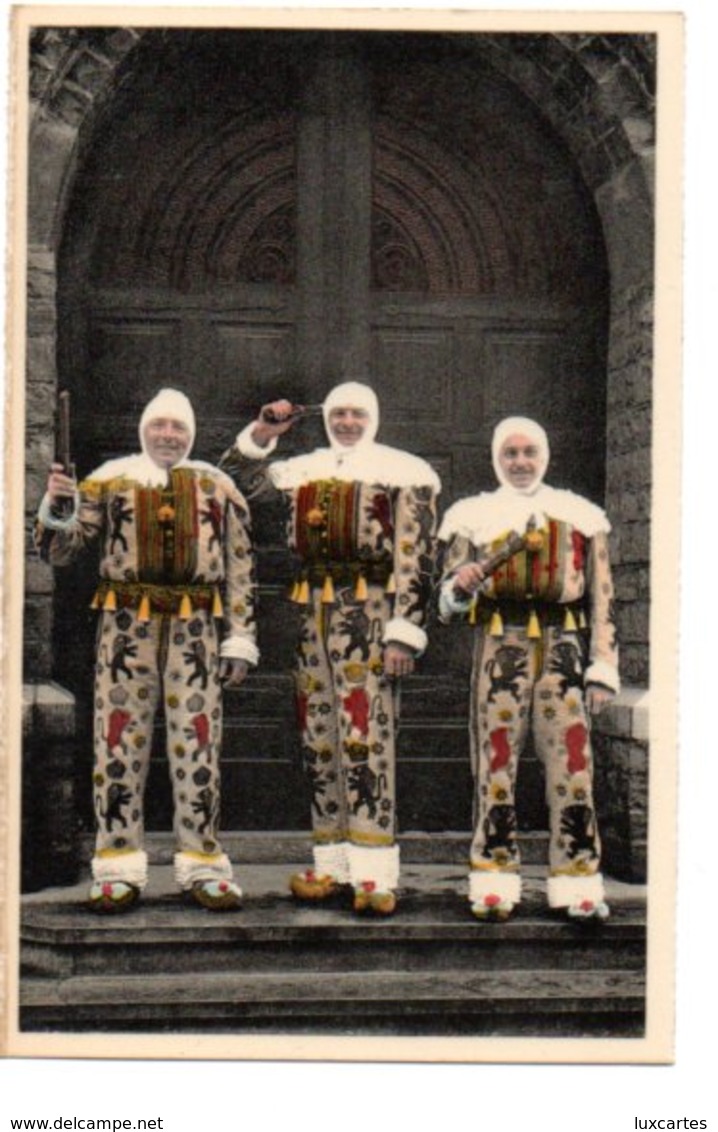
(277, 967)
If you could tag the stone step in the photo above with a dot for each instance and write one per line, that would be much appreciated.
(278, 934)
(532, 1002)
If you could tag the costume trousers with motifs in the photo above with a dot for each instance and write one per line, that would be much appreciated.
(520, 683)
(346, 714)
(141, 666)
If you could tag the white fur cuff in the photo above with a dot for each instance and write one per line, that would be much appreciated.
(489, 883)
(128, 867)
(405, 633)
(450, 602)
(189, 868)
(239, 648)
(601, 672)
(247, 446)
(378, 865)
(332, 860)
(563, 892)
(53, 522)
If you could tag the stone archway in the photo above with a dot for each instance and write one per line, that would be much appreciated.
(597, 92)
(594, 91)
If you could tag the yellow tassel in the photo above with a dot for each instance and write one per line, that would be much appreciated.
(534, 628)
(302, 597)
(109, 605)
(143, 613)
(217, 609)
(361, 592)
(328, 590)
(96, 603)
(390, 587)
(569, 622)
(293, 591)
(474, 611)
(185, 609)
(496, 627)
(582, 622)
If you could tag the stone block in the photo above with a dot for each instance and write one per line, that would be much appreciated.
(40, 389)
(634, 662)
(633, 621)
(54, 711)
(51, 152)
(119, 41)
(624, 202)
(41, 273)
(641, 133)
(621, 91)
(636, 542)
(39, 577)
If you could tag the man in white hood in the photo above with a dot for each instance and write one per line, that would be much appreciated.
(361, 527)
(176, 574)
(545, 657)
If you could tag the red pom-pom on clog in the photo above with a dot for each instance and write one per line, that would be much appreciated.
(492, 900)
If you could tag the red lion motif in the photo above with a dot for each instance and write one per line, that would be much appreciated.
(576, 737)
(356, 704)
(117, 722)
(502, 751)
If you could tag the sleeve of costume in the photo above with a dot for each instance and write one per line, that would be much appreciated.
(247, 464)
(61, 541)
(457, 552)
(415, 527)
(603, 651)
(240, 642)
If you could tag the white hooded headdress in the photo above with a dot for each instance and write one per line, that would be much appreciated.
(168, 404)
(482, 518)
(172, 405)
(365, 461)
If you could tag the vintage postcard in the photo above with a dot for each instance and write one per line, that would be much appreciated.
(342, 432)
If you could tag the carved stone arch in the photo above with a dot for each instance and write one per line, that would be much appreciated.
(221, 214)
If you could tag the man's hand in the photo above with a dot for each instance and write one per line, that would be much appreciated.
(273, 420)
(398, 659)
(468, 578)
(59, 485)
(597, 696)
(232, 671)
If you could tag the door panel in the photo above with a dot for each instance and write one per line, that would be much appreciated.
(265, 214)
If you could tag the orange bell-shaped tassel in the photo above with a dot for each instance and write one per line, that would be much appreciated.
(569, 622)
(109, 605)
(143, 613)
(496, 625)
(302, 597)
(328, 591)
(361, 591)
(217, 608)
(582, 622)
(96, 601)
(185, 609)
(533, 630)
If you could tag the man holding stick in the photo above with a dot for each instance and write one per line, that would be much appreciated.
(362, 519)
(529, 565)
(176, 563)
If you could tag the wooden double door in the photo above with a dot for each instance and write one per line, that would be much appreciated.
(266, 214)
